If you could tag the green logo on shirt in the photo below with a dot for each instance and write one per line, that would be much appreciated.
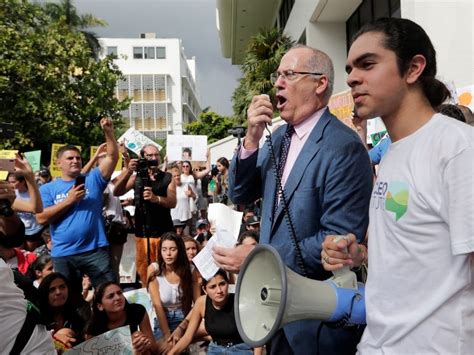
(396, 199)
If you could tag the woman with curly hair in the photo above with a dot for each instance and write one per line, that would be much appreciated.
(171, 284)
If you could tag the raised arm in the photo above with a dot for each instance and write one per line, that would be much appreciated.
(93, 161)
(125, 181)
(34, 204)
(201, 174)
(107, 165)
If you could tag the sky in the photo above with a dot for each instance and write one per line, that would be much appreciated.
(194, 21)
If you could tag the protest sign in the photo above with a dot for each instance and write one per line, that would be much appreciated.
(142, 297)
(117, 341)
(7, 155)
(135, 141)
(34, 158)
(118, 167)
(186, 147)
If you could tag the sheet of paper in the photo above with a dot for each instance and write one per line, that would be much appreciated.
(204, 260)
(142, 297)
(224, 217)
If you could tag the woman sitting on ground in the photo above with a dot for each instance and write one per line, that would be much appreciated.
(64, 310)
(42, 267)
(111, 310)
(171, 284)
(217, 309)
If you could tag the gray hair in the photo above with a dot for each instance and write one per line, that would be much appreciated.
(321, 63)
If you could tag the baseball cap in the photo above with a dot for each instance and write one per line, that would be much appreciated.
(253, 220)
(201, 222)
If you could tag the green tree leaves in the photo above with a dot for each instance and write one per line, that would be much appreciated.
(50, 86)
(212, 125)
(263, 55)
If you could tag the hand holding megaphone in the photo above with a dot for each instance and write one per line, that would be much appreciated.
(339, 251)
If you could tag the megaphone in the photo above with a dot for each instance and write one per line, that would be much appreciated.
(269, 295)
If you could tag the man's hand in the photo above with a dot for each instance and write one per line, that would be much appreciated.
(76, 194)
(148, 195)
(22, 166)
(231, 259)
(259, 113)
(132, 165)
(107, 125)
(334, 255)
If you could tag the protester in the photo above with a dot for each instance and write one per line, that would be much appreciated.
(422, 204)
(171, 284)
(221, 194)
(217, 309)
(155, 195)
(248, 238)
(327, 180)
(74, 212)
(111, 310)
(28, 202)
(185, 198)
(42, 267)
(64, 310)
(252, 224)
(203, 233)
(192, 247)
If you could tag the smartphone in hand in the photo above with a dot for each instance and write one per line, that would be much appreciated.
(80, 180)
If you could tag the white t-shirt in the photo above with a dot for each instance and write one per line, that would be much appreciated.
(12, 316)
(420, 293)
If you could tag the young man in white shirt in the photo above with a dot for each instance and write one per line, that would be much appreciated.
(419, 293)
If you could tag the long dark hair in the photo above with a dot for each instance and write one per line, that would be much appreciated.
(182, 269)
(407, 39)
(98, 322)
(75, 310)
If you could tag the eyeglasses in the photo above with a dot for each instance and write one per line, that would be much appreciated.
(152, 155)
(185, 166)
(289, 75)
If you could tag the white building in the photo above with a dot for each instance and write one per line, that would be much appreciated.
(160, 80)
(328, 24)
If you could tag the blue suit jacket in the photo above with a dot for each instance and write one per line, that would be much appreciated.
(328, 192)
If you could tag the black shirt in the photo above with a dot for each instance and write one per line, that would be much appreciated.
(134, 316)
(158, 217)
(220, 323)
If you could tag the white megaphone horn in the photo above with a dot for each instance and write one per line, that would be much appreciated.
(268, 295)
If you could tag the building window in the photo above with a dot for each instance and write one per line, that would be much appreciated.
(112, 51)
(367, 11)
(160, 52)
(149, 52)
(137, 52)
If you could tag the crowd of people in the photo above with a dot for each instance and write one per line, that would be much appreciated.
(411, 220)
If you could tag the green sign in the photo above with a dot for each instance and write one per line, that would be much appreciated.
(34, 158)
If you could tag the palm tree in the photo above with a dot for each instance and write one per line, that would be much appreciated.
(65, 11)
(262, 57)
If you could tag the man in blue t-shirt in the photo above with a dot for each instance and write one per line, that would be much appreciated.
(74, 213)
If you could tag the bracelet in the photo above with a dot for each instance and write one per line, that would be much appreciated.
(159, 200)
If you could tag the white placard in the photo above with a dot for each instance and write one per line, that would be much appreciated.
(135, 141)
(117, 341)
(186, 147)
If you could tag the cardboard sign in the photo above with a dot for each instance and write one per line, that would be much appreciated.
(117, 341)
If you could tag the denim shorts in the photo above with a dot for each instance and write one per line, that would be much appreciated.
(242, 348)
(173, 316)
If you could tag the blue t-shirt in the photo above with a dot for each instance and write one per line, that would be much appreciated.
(376, 153)
(81, 228)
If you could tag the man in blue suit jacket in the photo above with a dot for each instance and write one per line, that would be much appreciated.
(327, 181)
